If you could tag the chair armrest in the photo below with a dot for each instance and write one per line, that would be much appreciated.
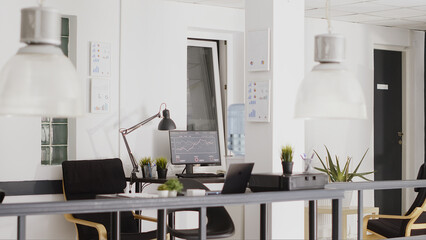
(375, 216)
(99, 227)
(146, 218)
(411, 225)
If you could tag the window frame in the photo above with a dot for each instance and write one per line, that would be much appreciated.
(218, 93)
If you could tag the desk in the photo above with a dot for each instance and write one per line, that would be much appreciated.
(161, 181)
(21, 210)
(345, 212)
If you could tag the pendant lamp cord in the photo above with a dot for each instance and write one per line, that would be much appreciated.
(327, 15)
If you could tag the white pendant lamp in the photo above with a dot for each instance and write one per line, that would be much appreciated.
(40, 80)
(329, 90)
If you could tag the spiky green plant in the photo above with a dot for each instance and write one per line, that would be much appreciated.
(162, 187)
(287, 153)
(145, 161)
(161, 162)
(336, 173)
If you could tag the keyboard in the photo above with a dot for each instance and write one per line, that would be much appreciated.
(200, 175)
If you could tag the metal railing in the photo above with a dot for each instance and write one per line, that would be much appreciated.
(21, 210)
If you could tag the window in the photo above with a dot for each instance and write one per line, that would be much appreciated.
(54, 141)
(54, 131)
(201, 101)
(204, 103)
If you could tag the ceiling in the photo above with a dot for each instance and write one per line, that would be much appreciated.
(410, 14)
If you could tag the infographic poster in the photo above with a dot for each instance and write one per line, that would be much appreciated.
(100, 99)
(257, 102)
(100, 59)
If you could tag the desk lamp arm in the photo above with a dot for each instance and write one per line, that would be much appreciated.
(124, 132)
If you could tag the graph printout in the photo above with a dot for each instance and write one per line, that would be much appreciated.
(257, 101)
(194, 147)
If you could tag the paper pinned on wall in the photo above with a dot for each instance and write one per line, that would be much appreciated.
(258, 49)
(382, 86)
(100, 59)
(258, 101)
(100, 98)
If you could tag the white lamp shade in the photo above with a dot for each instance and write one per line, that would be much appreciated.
(330, 91)
(40, 80)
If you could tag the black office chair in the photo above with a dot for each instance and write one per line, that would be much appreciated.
(2, 194)
(219, 223)
(411, 224)
(84, 180)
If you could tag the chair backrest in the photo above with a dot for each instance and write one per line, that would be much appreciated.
(84, 179)
(421, 196)
(418, 202)
(2, 194)
(189, 183)
(219, 224)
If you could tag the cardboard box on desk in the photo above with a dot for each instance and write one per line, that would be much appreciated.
(278, 182)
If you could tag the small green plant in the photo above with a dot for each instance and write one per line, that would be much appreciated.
(145, 161)
(161, 162)
(171, 185)
(287, 153)
(174, 185)
(336, 173)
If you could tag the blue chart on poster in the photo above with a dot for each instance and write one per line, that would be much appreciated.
(257, 101)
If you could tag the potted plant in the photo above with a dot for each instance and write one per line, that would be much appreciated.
(163, 191)
(174, 186)
(287, 159)
(338, 174)
(161, 163)
(146, 166)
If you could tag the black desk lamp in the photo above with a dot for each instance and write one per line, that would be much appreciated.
(165, 124)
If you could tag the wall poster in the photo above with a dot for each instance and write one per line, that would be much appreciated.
(257, 101)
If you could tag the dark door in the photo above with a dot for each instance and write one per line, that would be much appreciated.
(388, 127)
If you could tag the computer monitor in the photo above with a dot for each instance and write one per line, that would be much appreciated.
(194, 147)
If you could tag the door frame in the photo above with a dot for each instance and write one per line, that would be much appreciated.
(407, 195)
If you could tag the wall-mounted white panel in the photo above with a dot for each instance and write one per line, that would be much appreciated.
(258, 50)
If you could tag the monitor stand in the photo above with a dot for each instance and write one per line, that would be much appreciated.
(189, 168)
(189, 173)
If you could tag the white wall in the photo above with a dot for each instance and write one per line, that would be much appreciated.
(96, 134)
(153, 67)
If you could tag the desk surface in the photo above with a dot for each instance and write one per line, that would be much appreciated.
(156, 180)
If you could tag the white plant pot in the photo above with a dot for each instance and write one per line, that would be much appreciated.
(163, 193)
(172, 193)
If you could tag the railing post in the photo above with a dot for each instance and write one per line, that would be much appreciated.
(21, 227)
(263, 221)
(161, 224)
(360, 213)
(336, 226)
(117, 225)
(312, 220)
(202, 224)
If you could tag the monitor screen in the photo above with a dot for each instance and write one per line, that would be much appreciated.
(194, 147)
